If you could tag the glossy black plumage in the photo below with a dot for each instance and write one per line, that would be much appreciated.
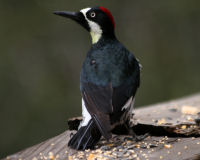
(110, 76)
(86, 137)
(110, 81)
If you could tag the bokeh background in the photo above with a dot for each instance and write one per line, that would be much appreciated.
(41, 56)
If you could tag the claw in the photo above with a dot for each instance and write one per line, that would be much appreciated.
(140, 138)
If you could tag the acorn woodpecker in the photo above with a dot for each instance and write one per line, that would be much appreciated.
(109, 79)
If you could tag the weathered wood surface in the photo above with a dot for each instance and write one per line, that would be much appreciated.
(174, 129)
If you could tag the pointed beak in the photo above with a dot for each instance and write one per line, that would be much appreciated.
(71, 15)
(76, 16)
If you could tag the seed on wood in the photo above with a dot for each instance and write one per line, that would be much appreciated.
(51, 156)
(70, 158)
(168, 146)
(91, 156)
(183, 127)
(135, 155)
(189, 118)
(161, 121)
(137, 145)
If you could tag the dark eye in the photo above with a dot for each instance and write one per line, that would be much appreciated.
(92, 14)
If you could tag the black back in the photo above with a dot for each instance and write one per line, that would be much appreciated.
(110, 75)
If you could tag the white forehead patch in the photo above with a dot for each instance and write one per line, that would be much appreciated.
(85, 10)
(95, 29)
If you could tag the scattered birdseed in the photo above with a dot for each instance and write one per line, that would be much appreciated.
(57, 156)
(137, 146)
(110, 145)
(179, 153)
(148, 147)
(168, 146)
(51, 156)
(185, 147)
(189, 118)
(135, 155)
(161, 157)
(161, 121)
(183, 127)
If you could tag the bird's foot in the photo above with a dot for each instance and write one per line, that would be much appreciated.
(136, 137)
(141, 137)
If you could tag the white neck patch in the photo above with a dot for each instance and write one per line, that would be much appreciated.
(95, 29)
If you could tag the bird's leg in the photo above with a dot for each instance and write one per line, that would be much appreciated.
(133, 134)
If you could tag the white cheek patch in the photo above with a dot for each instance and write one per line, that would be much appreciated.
(95, 29)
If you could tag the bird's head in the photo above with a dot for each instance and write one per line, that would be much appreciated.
(97, 20)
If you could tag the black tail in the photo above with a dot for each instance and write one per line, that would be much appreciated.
(86, 137)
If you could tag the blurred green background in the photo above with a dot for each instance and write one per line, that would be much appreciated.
(41, 56)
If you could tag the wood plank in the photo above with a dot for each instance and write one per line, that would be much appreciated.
(172, 126)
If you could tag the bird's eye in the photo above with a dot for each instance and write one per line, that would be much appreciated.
(92, 14)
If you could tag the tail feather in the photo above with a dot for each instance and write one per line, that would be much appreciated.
(86, 137)
(104, 127)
